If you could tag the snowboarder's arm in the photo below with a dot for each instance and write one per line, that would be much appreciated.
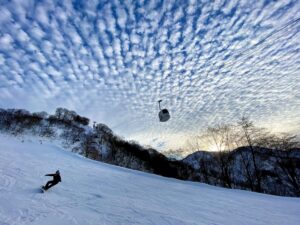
(50, 175)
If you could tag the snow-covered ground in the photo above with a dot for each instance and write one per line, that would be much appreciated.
(96, 193)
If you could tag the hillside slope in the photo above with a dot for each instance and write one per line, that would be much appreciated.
(96, 193)
(276, 171)
(97, 142)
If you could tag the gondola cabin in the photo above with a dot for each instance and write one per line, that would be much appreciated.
(163, 114)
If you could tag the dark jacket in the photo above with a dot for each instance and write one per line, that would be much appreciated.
(56, 177)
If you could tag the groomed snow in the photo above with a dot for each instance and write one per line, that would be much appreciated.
(96, 193)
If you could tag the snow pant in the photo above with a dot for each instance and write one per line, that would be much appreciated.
(50, 184)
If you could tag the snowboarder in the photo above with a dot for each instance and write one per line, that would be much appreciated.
(51, 183)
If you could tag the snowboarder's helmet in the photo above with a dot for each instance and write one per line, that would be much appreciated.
(57, 172)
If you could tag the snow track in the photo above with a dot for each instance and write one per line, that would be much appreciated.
(93, 193)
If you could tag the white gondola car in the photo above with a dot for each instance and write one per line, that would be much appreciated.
(163, 114)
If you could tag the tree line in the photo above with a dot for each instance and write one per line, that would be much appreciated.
(249, 157)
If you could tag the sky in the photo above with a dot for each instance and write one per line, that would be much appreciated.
(210, 62)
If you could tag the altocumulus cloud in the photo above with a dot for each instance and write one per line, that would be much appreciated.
(210, 62)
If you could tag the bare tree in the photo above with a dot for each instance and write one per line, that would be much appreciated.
(250, 134)
(221, 138)
(89, 148)
(283, 146)
(288, 163)
(196, 144)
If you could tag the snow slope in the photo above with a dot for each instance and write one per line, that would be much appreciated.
(96, 193)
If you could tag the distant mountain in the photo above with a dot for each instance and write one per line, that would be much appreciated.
(278, 171)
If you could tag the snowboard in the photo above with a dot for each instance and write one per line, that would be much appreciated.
(42, 189)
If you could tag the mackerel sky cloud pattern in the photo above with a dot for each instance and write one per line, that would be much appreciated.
(210, 62)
